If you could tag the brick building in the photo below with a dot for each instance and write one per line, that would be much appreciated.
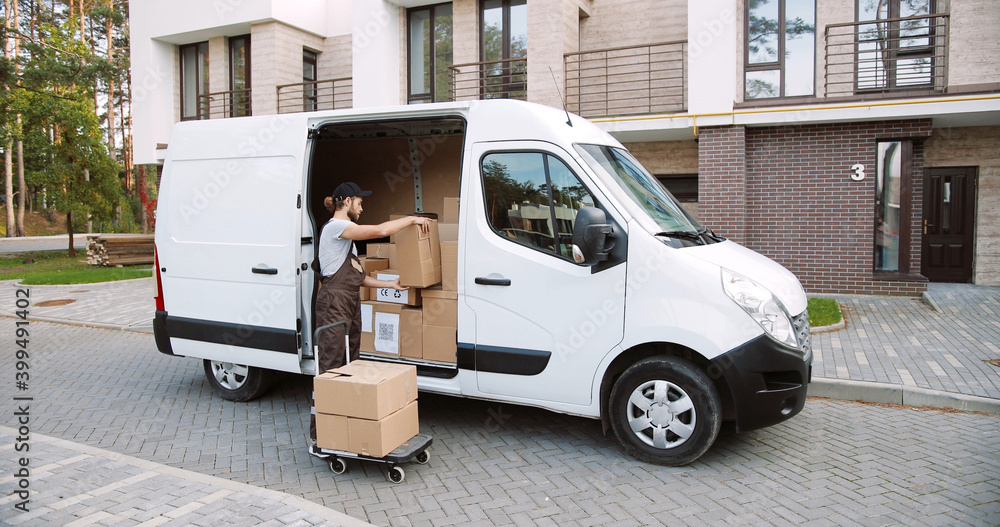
(856, 142)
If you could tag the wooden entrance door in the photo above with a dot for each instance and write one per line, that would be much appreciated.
(949, 224)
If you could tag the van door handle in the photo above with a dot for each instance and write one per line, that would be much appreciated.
(264, 270)
(481, 280)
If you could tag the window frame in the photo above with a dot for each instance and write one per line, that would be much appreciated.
(906, 182)
(310, 99)
(778, 65)
(431, 94)
(551, 204)
(896, 52)
(235, 109)
(198, 81)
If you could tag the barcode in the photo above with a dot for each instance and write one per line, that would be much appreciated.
(385, 332)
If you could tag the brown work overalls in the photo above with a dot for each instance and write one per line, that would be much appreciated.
(338, 299)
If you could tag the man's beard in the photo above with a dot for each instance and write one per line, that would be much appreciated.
(353, 215)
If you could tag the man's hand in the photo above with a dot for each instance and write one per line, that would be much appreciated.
(397, 286)
(423, 223)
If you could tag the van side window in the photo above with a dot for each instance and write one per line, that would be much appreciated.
(533, 198)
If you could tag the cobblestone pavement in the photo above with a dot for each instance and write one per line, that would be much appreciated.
(836, 463)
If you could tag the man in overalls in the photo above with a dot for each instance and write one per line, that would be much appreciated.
(339, 297)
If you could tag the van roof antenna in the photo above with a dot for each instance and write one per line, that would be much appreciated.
(568, 121)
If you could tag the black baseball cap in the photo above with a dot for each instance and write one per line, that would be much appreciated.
(350, 190)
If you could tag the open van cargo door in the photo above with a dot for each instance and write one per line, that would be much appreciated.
(228, 250)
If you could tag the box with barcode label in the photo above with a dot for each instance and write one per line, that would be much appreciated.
(397, 330)
(410, 297)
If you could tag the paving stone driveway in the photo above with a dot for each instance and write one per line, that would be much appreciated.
(837, 463)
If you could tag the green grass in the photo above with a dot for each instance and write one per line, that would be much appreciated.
(50, 268)
(824, 312)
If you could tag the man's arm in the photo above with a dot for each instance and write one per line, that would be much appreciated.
(373, 282)
(370, 232)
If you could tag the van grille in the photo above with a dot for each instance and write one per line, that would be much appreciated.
(801, 323)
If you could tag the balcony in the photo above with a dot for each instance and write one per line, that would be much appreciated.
(330, 94)
(233, 103)
(894, 57)
(495, 79)
(627, 80)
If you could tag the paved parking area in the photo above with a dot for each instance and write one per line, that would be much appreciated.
(837, 463)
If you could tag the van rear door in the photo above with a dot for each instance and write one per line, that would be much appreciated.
(228, 240)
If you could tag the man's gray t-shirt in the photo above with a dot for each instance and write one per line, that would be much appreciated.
(332, 248)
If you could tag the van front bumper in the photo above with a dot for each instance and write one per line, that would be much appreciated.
(767, 381)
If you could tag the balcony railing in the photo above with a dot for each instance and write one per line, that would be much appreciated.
(627, 80)
(330, 94)
(903, 55)
(233, 103)
(495, 79)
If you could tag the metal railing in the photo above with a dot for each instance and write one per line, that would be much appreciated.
(495, 79)
(232, 103)
(329, 94)
(650, 78)
(889, 55)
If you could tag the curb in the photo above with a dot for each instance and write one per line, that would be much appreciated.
(874, 392)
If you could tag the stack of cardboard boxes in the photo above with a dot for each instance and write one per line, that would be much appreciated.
(422, 322)
(366, 407)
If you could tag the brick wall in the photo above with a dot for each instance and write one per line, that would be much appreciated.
(786, 192)
(722, 171)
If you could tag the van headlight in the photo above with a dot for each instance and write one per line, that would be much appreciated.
(761, 305)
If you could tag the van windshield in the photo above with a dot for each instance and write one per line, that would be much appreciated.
(640, 191)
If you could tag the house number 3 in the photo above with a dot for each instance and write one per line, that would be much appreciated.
(859, 172)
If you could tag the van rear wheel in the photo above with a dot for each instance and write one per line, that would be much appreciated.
(665, 411)
(237, 382)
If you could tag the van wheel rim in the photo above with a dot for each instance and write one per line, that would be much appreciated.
(661, 414)
(230, 376)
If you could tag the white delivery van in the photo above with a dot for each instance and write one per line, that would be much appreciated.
(583, 287)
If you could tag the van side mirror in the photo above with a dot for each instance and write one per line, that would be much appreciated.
(593, 237)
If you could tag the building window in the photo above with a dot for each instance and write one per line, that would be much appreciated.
(896, 50)
(684, 187)
(504, 45)
(780, 48)
(194, 80)
(892, 206)
(239, 75)
(309, 78)
(429, 38)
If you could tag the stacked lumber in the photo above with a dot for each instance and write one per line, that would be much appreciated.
(116, 250)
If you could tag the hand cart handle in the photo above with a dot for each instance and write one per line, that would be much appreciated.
(347, 338)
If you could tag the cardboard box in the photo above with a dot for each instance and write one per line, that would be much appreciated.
(410, 297)
(450, 213)
(380, 437)
(440, 307)
(331, 432)
(418, 256)
(449, 266)
(398, 330)
(379, 251)
(440, 344)
(370, 264)
(367, 317)
(365, 389)
(448, 232)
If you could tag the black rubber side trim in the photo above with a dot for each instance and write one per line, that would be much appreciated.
(242, 335)
(512, 361)
(160, 333)
(466, 356)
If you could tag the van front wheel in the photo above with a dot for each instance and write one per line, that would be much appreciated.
(665, 411)
(237, 382)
